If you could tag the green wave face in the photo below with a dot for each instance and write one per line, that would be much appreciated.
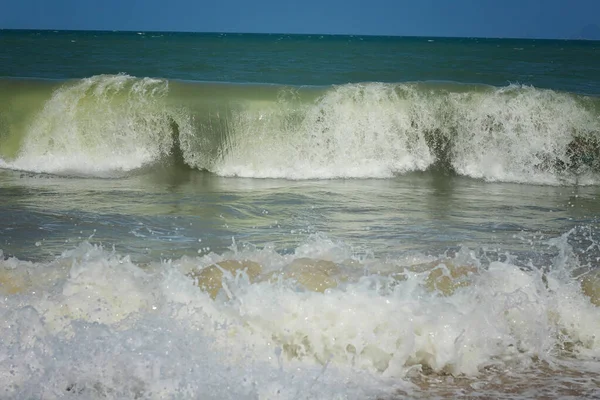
(19, 101)
(113, 124)
(94, 126)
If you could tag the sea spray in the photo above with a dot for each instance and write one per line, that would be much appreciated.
(109, 125)
(98, 126)
(517, 134)
(89, 301)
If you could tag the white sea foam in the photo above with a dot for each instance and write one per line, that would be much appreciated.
(94, 324)
(356, 131)
(106, 125)
(508, 134)
(98, 126)
(515, 134)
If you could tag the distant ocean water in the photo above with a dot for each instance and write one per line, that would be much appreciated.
(298, 216)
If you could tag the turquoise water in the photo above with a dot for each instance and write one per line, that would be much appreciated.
(391, 217)
(564, 65)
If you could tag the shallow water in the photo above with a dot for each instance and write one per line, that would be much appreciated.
(165, 213)
(126, 319)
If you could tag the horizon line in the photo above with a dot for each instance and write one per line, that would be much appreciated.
(137, 31)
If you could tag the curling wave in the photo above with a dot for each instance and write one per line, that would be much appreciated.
(114, 124)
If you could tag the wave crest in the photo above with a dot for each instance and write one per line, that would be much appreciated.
(115, 123)
(98, 126)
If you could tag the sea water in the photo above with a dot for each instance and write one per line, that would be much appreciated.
(298, 217)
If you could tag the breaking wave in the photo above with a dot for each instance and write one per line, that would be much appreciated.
(253, 323)
(115, 124)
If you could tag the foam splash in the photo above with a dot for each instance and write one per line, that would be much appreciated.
(112, 124)
(523, 134)
(516, 134)
(96, 324)
(99, 126)
(352, 131)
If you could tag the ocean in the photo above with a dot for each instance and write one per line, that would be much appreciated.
(248, 216)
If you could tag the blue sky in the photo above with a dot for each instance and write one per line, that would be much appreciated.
(483, 18)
